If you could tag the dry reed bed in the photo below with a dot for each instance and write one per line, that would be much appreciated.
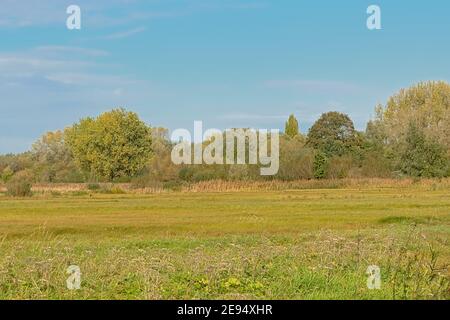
(239, 186)
(276, 185)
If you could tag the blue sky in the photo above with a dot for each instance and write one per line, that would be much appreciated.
(229, 63)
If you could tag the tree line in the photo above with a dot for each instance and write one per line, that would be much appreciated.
(409, 137)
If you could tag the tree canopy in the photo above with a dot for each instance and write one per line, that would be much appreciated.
(291, 128)
(427, 104)
(333, 134)
(116, 144)
(52, 158)
(422, 157)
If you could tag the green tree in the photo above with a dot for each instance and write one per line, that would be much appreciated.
(114, 145)
(291, 128)
(53, 161)
(320, 165)
(427, 104)
(422, 157)
(16, 162)
(51, 148)
(333, 134)
(160, 166)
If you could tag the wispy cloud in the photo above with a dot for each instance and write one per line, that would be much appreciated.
(46, 88)
(125, 34)
(71, 50)
(230, 4)
(60, 66)
(313, 85)
(19, 14)
(25, 64)
(243, 116)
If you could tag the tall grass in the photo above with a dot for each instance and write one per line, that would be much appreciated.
(237, 186)
(276, 185)
(322, 265)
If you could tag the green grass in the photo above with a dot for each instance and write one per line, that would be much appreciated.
(297, 244)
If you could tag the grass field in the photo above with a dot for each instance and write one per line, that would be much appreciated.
(287, 244)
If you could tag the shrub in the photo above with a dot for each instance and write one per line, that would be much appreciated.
(186, 173)
(203, 175)
(79, 193)
(140, 182)
(93, 186)
(172, 185)
(111, 189)
(7, 174)
(20, 184)
(340, 167)
(296, 161)
(376, 165)
(238, 172)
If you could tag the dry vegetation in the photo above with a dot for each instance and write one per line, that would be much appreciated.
(237, 186)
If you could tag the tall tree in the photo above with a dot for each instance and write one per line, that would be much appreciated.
(291, 128)
(422, 157)
(114, 145)
(51, 148)
(333, 134)
(427, 104)
(52, 158)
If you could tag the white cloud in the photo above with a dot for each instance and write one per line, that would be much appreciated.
(88, 79)
(50, 68)
(243, 116)
(118, 92)
(31, 12)
(125, 34)
(108, 13)
(68, 50)
(23, 65)
(313, 85)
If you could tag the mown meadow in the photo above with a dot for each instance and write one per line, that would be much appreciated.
(268, 242)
